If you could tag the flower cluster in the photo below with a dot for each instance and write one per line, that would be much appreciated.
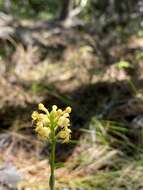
(54, 124)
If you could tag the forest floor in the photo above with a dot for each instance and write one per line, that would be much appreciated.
(101, 79)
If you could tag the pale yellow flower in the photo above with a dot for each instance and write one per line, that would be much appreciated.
(35, 115)
(43, 108)
(43, 132)
(65, 134)
(54, 108)
(68, 109)
(59, 112)
(63, 122)
(66, 115)
(47, 122)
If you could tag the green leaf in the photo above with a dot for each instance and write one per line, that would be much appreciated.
(124, 65)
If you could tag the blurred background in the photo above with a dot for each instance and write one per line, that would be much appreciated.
(87, 54)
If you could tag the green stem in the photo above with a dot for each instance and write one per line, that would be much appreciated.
(52, 162)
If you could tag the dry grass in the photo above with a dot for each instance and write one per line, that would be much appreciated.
(81, 165)
(89, 167)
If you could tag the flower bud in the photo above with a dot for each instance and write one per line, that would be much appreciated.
(68, 109)
(54, 107)
(42, 108)
(59, 112)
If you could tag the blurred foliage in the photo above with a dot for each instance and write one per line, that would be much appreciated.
(31, 8)
(107, 12)
(139, 55)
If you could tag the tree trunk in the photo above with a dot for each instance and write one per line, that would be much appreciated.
(66, 7)
(7, 6)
